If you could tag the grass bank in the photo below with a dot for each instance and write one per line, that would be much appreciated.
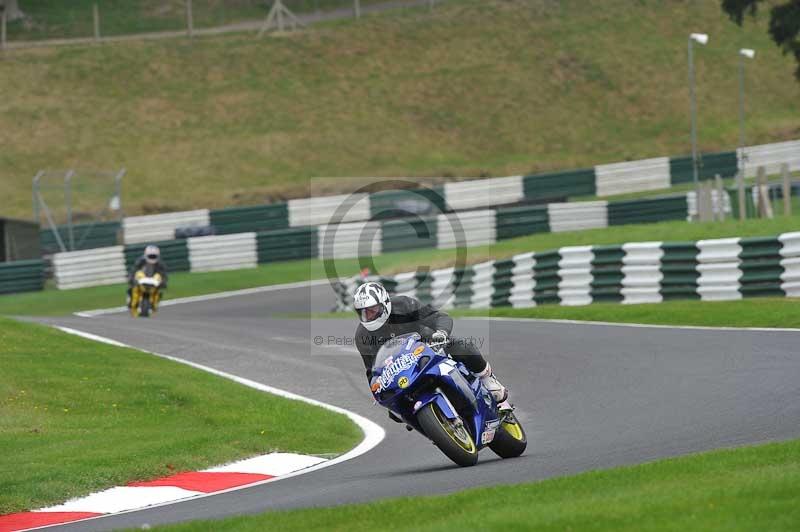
(79, 416)
(55, 302)
(753, 488)
(473, 87)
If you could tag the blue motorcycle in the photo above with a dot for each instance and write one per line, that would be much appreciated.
(432, 393)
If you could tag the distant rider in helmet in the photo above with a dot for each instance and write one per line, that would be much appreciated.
(150, 261)
(383, 317)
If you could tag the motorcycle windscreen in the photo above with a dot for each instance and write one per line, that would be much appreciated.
(394, 351)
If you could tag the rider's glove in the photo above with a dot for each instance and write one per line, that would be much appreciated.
(439, 337)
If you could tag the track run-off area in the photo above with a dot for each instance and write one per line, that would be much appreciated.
(590, 395)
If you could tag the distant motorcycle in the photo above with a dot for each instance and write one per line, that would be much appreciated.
(146, 293)
(433, 394)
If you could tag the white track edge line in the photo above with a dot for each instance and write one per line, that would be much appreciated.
(373, 433)
(633, 325)
(208, 297)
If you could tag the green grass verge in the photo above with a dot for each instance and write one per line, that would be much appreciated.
(751, 488)
(52, 302)
(79, 416)
(473, 87)
(56, 302)
(755, 312)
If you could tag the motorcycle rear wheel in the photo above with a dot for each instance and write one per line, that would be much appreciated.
(510, 440)
(453, 440)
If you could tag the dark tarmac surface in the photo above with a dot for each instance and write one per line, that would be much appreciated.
(590, 396)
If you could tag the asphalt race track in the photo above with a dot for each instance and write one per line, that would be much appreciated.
(590, 396)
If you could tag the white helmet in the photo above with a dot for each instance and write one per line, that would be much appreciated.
(373, 305)
(151, 254)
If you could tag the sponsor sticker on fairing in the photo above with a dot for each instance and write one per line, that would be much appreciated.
(395, 368)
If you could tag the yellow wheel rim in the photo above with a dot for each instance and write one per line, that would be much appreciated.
(513, 429)
(463, 440)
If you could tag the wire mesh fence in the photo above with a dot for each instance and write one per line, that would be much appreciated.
(77, 209)
(97, 19)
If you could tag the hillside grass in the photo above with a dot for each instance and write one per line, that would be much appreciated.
(474, 87)
(79, 416)
(750, 488)
(57, 302)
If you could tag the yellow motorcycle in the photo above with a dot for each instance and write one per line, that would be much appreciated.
(145, 294)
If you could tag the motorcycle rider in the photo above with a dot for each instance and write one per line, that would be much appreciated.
(151, 259)
(383, 317)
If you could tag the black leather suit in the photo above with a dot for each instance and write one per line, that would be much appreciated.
(410, 315)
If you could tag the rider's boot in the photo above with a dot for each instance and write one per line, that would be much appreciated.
(128, 298)
(490, 382)
(505, 406)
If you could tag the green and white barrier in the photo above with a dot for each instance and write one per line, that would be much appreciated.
(718, 265)
(287, 244)
(249, 219)
(478, 193)
(761, 266)
(633, 176)
(174, 253)
(446, 231)
(522, 280)
(641, 272)
(138, 229)
(790, 264)
(603, 180)
(577, 216)
(607, 274)
(355, 239)
(91, 267)
(658, 173)
(771, 157)
(470, 228)
(225, 252)
(322, 210)
(575, 275)
(21, 276)
(84, 236)
(633, 273)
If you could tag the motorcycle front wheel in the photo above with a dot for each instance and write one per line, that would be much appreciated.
(450, 436)
(144, 306)
(510, 440)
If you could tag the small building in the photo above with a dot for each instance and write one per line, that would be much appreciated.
(19, 240)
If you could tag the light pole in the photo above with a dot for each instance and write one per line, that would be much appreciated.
(701, 38)
(749, 54)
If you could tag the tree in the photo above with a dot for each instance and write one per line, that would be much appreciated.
(12, 9)
(784, 23)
